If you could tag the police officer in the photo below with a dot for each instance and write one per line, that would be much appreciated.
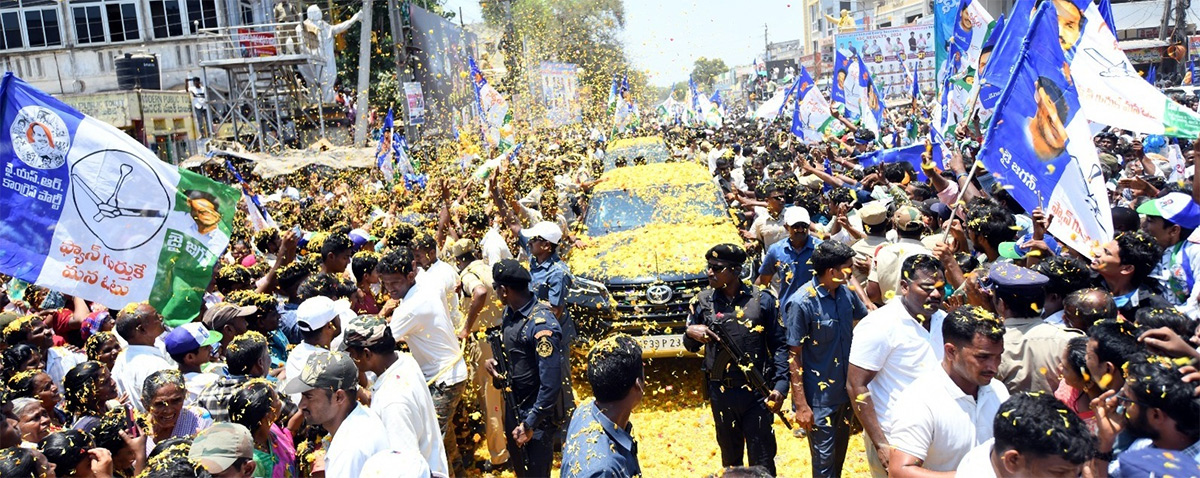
(747, 316)
(532, 351)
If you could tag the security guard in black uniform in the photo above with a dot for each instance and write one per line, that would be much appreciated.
(532, 353)
(747, 316)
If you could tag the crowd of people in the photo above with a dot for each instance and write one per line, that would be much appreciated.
(377, 320)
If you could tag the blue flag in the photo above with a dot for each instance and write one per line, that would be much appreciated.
(788, 94)
(716, 99)
(841, 70)
(910, 154)
(384, 159)
(1039, 143)
(1192, 70)
(695, 98)
(1152, 75)
(871, 99)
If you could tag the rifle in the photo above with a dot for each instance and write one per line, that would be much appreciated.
(753, 376)
(504, 384)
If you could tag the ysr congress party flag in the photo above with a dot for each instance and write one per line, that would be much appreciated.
(1110, 89)
(1039, 143)
(88, 211)
(810, 115)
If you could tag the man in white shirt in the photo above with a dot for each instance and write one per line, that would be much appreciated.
(139, 325)
(1034, 435)
(320, 321)
(328, 386)
(399, 395)
(421, 322)
(949, 410)
(891, 348)
(438, 275)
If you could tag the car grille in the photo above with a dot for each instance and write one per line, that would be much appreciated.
(636, 313)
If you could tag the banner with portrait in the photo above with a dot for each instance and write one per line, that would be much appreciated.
(892, 55)
(560, 93)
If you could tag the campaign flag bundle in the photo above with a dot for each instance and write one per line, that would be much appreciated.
(1039, 143)
(842, 77)
(870, 102)
(88, 211)
(493, 110)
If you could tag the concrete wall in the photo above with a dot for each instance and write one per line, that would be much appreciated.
(91, 69)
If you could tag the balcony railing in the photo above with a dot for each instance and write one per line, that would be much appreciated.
(261, 41)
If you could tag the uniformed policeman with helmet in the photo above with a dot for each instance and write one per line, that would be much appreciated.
(747, 317)
(531, 343)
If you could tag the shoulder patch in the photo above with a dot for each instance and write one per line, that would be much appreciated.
(539, 321)
(543, 333)
(544, 347)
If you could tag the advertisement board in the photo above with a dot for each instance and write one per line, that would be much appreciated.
(560, 93)
(885, 50)
(416, 102)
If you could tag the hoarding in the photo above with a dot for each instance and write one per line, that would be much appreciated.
(559, 93)
(889, 52)
(440, 66)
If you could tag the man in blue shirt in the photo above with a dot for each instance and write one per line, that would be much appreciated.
(599, 440)
(789, 259)
(820, 322)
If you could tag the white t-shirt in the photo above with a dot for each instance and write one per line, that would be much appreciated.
(131, 368)
(360, 436)
(444, 277)
(939, 423)
(421, 321)
(402, 401)
(196, 383)
(493, 247)
(891, 342)
(59, 361)
(978, 462)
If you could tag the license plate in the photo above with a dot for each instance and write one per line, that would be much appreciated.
(659, 345)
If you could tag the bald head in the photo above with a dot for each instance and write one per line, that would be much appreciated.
(139, 324)
(1084, 307)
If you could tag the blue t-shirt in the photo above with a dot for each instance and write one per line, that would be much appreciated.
(790, 266)
(595, 447)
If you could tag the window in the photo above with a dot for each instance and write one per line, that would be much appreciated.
(845, 6)
(99, 21)
(29, 24)
(166, 18)
(201, 14)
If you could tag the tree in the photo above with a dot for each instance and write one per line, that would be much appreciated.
(707, 70)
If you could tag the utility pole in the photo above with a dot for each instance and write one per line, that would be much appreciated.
(1181, 22)
(766, 46)
(364, 76)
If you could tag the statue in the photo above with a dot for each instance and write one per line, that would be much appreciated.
(316, 35)
(844, 24)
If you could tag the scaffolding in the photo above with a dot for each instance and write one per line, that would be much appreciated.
(267, 101)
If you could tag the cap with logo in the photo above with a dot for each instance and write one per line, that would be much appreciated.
(1014, 249)
(365, 330)
(359, 237)
(796, 215)
(325, 370)
(1015, 280)
(1175, 207)
(319, 311)
(220, 315)
(190, 337)
(219, 446)
(461, 248)
(546, 230)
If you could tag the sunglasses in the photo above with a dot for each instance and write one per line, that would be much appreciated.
(718, 268)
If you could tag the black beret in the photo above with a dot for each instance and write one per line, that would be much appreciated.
(510, 271)
(730, 253)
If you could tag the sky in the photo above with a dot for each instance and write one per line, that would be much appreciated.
(665, 38)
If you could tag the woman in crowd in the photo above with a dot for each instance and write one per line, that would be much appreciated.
(162, 396)
(24, 463)
(103, 347)
(32, 421)
(22, 357)
(88, 388)
(257, 406)
(37, 384)
(72, 454)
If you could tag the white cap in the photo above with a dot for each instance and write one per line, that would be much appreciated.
(319, 311)
(546, 230)
(795, 214)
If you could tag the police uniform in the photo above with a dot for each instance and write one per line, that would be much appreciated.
(532, 350)
(751, 321)
(1032, 347)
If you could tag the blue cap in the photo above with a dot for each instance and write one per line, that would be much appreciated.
(1016, 280)
(189, 337)
(1013, 249)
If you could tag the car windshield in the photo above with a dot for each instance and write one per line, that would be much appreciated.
(636, 153)
(623, 210)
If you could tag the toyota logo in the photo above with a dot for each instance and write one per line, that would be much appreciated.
(659, 294)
